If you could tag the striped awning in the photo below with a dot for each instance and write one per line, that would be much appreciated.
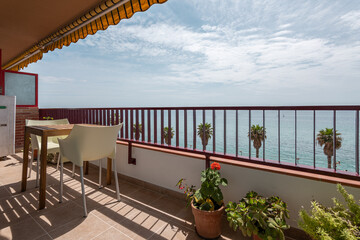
(110, 12)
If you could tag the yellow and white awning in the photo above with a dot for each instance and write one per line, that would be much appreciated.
(110, 12)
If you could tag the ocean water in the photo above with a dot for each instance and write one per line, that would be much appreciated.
(345, 124)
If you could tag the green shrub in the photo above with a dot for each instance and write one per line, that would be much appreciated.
(337, 222)
(257, 215)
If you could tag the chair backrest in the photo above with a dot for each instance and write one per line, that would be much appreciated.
(95, 142)
(36, 140)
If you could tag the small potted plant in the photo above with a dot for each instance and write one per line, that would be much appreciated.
(166, 134)
(137, 133)
(257, 216)
(208, 130)
(48, 118)
(207, 201)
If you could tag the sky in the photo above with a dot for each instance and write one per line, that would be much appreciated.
(212, 53)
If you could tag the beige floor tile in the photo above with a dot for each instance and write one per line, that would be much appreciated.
(140, 231)
(4, 193)
(81, 228)
(12, 212)
(98, 198)
(136, 222)
(112, 234)
(5, 161)
(127, 188)
(174, 232)
(54, 218)
(145, 196)
(44, 237)
(185, 217)
(26, 229)
(120, 211)
(168, 205)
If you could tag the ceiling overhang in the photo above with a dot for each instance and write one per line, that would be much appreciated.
(30, 28)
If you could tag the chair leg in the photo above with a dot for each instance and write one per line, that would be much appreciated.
(31, 162)
(100, 171)
(58, 160)
(61, 179)
(37, 169)
(83, 190)
(116, 180)
(73, 171)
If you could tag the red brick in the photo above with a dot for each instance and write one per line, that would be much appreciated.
(23, 113)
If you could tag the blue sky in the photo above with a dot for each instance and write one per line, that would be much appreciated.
(211, 53)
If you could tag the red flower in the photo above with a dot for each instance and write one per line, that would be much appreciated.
(215, 166)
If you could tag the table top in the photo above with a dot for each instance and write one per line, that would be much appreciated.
(50, 130)
(54, 130)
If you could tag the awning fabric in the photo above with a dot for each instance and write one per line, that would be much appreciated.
(57, 40)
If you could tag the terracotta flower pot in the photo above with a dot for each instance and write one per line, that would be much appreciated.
(256, 237)
(208, 223)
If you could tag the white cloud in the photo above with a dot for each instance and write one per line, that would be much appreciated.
(59, 80)
(352, 19)
(281, 33)
(53, 79)
(224, 55)
(287, 25)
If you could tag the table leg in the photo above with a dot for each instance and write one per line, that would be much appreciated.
(43, 162)
(86, 167)
(108, 172)
(25, 160)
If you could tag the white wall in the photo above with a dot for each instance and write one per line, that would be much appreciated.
(165, 170)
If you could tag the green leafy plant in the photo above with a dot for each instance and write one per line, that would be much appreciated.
(326, 138)
(52, 158)
(166, 134)
(48, 118)
(208, 133)
(257, 215)
(209, 196)
(337, 222)
(137, 133)
(257, 135)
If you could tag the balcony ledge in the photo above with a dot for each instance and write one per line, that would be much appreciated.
(256, 166)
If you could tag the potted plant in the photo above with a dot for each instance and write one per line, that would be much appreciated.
(137, 133)
(257, 216)
(337, 222)
(326, 138)
(48, 118)
(208, 130)
(207, 201)
(257, 135)
(166, 134)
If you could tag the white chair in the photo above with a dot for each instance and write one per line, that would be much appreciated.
(89, 143)
(52, 144)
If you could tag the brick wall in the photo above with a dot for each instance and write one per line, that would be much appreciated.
(23, 113)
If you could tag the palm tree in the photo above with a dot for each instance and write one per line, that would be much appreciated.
(137, 133)
(325, 138)
(208, 133)
(167, 133)
(257, 135)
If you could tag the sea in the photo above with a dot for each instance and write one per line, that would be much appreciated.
(345, 125)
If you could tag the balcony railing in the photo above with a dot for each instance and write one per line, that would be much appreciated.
(291, 132)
